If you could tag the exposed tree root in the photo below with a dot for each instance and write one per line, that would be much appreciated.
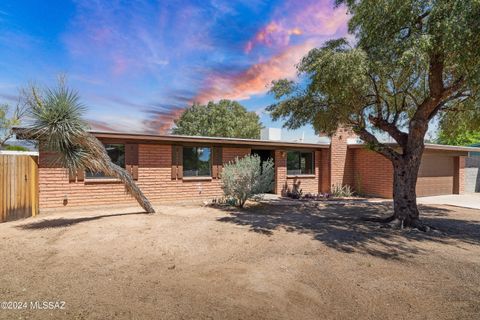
(396, 223)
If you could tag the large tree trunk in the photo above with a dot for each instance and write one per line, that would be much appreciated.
(405, 172)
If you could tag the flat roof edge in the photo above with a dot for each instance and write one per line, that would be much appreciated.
(428, 146)
(220, 140)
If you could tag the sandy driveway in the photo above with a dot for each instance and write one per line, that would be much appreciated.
(267, 262)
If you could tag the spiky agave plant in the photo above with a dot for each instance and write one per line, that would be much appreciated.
(58, 125)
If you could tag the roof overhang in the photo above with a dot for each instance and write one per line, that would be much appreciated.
(169, 139)
(429, 147)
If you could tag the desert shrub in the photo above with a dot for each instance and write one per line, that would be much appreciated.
(246, 177)
(339, 191)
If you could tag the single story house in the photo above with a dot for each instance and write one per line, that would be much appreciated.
(176, 168)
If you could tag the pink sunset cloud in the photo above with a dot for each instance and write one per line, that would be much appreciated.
(162, 121)
(273, 34)
(311, 18)
(256, 79)
(243, 85)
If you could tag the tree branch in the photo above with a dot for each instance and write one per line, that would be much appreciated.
(399, 136)
(385, 150)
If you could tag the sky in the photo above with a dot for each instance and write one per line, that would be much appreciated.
(137, 64)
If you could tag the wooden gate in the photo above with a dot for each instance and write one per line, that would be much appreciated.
(18, 186)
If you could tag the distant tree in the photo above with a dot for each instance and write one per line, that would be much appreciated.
(59, 127)
(9, 121)
(16, 148)
(411, 60)
(460, 128)
(226, 118)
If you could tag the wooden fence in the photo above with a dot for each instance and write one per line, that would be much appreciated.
(18, 186)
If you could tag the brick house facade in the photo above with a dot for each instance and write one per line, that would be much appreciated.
(151, 159)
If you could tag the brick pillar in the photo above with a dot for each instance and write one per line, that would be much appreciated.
(280, 171)
(338, 156)
(459, 175)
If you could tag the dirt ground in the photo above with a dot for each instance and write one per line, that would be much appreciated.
(298, 261)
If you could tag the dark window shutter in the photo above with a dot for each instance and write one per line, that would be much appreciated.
(180, 162)
(131, 159)
(177, 162)
(309, 161)
(217, 162)
(71, 176)
(174, 162)
(135, 172)
(80, 175)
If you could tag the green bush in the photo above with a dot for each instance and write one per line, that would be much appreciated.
(16, 148)
(246, 177)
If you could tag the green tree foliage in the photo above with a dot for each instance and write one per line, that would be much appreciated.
(247, 177)
(460, 128)
(59, 127)
(9, 121)
(16, 148)
(223, 119)
(412, 60)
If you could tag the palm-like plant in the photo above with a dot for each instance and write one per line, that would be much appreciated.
(59, 127)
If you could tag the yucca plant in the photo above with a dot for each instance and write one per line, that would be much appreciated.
(58, 125)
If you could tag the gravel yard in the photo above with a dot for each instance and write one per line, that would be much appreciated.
(299, 261)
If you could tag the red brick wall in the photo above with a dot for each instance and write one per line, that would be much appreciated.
(349, 170)
(229, 154)
(372, 173)
(341, 159)
(154, 179)
(307, 183)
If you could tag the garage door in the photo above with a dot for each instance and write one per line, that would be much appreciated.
(436, 175)
(472, 174)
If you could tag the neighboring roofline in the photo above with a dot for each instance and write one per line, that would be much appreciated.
(428, 146)
(201, 139)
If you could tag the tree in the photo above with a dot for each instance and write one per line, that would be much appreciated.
(59, 127)
(411, 61)
(226, 118)
(246, 177)
(460, 128)
(7, 123)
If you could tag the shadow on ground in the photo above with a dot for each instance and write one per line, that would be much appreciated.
(352, 227)
(67, 222)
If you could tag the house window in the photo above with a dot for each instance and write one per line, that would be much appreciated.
(299, 163)
(197, 162)
(116, 152)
